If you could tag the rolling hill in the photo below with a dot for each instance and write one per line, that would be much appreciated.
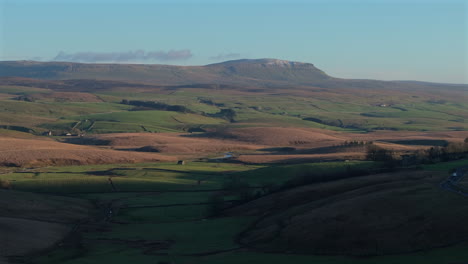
(244, 72)
(372, 215)
(261, 71)
(101, 143)
(42, 96)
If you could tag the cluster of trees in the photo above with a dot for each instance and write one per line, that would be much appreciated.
(25, 98)
(356, 143)
(141, 105)
(227, 114)
(387, 157)
(18, 128)
(210, 102)
(5, 184)
(376, 153)
(453, 151)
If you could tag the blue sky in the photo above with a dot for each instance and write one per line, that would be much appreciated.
(379, 39)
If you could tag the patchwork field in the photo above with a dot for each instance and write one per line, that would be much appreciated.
(250, 161)
(271, 144)
(60, 105)
(164, 212)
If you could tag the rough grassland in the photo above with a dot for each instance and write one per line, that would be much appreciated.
(30, 152)
(379, 214)
(32, 222)
(161, 214)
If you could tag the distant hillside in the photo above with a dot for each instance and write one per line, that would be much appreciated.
(240, 72)
(244, 73)
(269, 70)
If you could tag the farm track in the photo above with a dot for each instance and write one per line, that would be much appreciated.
(143, 191)
(149, 247)
(171, 205)
(210, 253)
(451, 183)
(106, 172)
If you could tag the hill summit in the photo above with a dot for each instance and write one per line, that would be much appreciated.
(271, 69)
(239, 72)
(246, 73)
(263, 63)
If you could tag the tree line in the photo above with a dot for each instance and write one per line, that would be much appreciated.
(453, 151)
(144, 105)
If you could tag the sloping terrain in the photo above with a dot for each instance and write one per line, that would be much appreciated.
(259, 92)
(372, 215)
(62, 97)
(254, 72)
(231, 119)
(277, 136)
(169, 143)
(33, 222)
(234, 72)
(38, 152)
(270, 144)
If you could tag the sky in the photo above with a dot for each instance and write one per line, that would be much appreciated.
(425, 40)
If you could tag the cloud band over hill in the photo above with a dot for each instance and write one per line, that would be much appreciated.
(226, 56)
(128, 56)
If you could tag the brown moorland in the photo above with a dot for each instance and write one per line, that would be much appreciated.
(288, 136)
(38, 152)
(176, 143)
(271, 144)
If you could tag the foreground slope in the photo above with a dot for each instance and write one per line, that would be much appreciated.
(30, 223)
(372, 215)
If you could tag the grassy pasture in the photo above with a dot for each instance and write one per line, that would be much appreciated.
(155, 220)
(283, 173)
(192, 237)
(162, 214)
(18, 90)
(162, 211)
(341, 110)
(446, 166)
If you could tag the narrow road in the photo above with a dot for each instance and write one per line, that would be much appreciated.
(451, 183)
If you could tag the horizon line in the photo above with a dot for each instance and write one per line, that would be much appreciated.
(221, 62)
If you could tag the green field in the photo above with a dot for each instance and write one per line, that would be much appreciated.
(168, 213)
(340, 110)
(122, 160)
(162, 213)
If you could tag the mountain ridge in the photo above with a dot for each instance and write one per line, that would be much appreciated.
(264, 72)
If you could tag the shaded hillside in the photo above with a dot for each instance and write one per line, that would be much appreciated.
(30, 223)
(372, 215)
